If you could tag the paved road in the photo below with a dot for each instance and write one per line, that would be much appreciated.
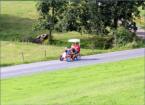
(141, 33)
(28, 69)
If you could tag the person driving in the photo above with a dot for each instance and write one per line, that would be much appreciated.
(76, 46)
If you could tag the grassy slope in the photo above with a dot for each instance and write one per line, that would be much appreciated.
(119, 83)
(23, 9)
(17, 19)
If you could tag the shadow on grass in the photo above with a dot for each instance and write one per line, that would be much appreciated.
(31, 61)
(8, 64)
(15, 28)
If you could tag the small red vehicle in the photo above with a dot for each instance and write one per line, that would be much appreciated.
(73, 53)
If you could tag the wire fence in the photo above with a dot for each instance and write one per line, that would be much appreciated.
(12, 54)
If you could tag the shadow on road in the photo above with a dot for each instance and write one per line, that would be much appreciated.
(141, 33)
(89, 59)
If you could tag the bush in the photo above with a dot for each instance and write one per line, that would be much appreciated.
(123, 36)
(101, 42)
(133, 44)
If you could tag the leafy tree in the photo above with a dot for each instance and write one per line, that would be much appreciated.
(108, 13)
(92, 16)
(48, 11)
(125, 11)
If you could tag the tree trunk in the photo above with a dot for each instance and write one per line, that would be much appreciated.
(53, 17)
(115, 18)
(50, 36)
(115, 22)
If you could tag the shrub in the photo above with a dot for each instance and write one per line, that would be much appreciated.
(101, 42)
(123, 36)
(133, 44)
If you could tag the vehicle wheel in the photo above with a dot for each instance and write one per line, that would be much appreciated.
(61, 58)
(68, 59)
(79, 57)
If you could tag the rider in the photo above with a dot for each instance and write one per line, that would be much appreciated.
(76, 46)
(75, 49)
(69, 54)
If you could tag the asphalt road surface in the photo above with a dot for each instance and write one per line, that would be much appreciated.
(141, 33)
(28, 69)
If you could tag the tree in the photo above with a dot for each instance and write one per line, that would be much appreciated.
(108, 13)
(125, 11)
(48, 11)
(92, 16)
(76, 16)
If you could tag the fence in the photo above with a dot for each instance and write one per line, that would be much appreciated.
(17, 53)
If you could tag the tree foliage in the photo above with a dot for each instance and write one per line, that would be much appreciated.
(91, 16)
(49, 11)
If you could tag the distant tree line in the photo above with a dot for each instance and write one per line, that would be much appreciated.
(87, 16)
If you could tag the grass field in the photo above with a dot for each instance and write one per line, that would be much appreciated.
(22, 9)
(118, 83)
(17, 19)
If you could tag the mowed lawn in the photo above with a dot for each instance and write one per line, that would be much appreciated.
(117, 83)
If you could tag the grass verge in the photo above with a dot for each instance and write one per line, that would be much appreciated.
(118, 83)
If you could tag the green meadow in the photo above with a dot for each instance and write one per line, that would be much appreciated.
(17, 19)
(117, 83)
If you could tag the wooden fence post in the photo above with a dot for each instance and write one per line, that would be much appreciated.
(22, 54)
(45, 53)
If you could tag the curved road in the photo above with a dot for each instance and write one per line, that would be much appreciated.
(28, 69)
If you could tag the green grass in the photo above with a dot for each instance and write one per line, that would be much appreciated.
(11, 52)
(118, 83)
(141, 21)
(142, 12)
(16, 20)
(22, 9)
